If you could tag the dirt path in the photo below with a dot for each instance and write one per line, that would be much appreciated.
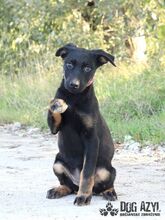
(26, 158)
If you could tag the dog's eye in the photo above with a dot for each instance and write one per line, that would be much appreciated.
(87, 69)
(69, 66)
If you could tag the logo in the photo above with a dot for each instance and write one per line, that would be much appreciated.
(142, 208)
(109, 210)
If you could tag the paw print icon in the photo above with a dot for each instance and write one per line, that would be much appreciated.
(109, 210)
(103, 212)
(109, 206)
(114, 212)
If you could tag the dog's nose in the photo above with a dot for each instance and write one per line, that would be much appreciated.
(75, 84)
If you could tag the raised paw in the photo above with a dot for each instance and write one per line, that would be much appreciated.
(103, 212)
(82, 200)
(110, 195)
(58, 192)
(58, 106)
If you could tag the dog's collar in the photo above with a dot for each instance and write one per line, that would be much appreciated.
(90, 82)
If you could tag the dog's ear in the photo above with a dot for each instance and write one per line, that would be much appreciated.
(103, 57)
(63, 51)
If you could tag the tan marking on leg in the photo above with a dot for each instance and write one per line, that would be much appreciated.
(58, 168)
(57, 118)
(63, 190)
(110, 194)
(109, 190)
(85, 186)
(75, 176)
(101, 175)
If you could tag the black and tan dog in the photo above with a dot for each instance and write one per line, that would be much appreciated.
(83, 164)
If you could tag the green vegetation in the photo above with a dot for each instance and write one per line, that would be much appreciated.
(132, 99)
(131, 96)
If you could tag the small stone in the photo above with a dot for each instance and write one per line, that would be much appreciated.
(33, 130)
(130, 144)
(161, 149)
(147, 151)
(16, 126)
(135, 147)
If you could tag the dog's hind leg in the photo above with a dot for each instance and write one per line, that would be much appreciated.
(66, 184)
(104, 183)
(58, 192)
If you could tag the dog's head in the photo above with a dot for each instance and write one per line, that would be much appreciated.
(80, 66)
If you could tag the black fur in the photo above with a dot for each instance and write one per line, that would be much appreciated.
(84, 139)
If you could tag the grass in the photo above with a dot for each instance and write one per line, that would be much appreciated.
(131, 97)
(133, 102)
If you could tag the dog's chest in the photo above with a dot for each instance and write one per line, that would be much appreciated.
(80, 120)
(85, 119)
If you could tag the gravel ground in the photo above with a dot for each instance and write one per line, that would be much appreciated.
(26, 159)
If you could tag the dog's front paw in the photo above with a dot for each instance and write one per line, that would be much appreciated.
(82, 200)
(58, 106)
